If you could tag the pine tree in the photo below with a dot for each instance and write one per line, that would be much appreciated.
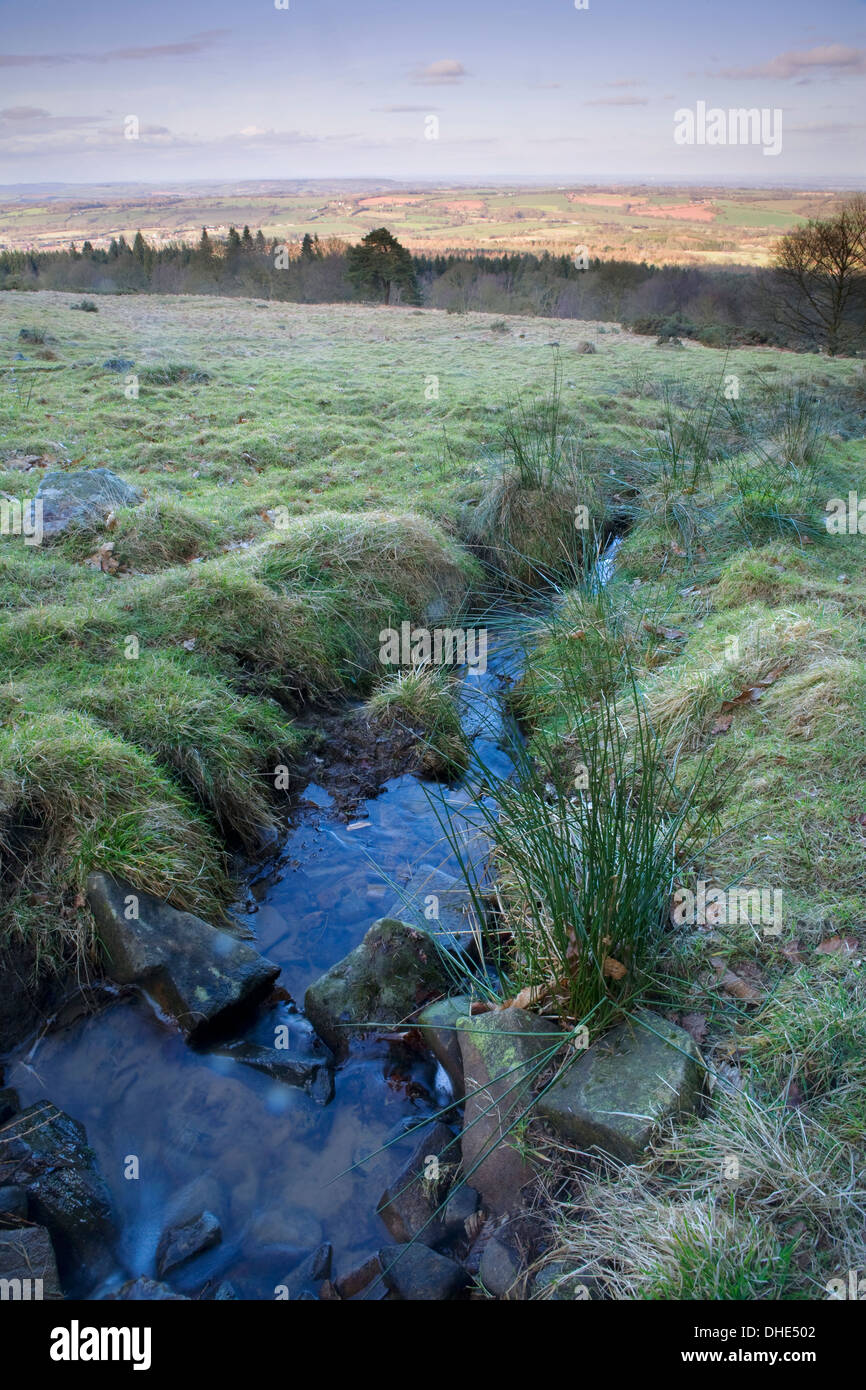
(378, 265)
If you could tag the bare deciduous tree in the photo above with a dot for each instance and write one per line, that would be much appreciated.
(821, 277)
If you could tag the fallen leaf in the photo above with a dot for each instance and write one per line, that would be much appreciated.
(189, 644)
(733, 984)
(613, 969)
(103, 559)
(696, 1026)
(839, 946)
(722, 725)
(669, 634)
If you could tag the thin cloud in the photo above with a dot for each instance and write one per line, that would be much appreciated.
(23, 113)
(442, 71)
(395, 109)
(831, 58)
(197, 43)
(624, 82)
(618, 101)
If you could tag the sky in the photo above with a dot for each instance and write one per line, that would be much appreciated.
(160, 92)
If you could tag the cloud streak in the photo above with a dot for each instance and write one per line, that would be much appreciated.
(444, 70)
(197, 43)
(830, 58)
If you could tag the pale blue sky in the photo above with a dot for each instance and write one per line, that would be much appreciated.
(333, 88)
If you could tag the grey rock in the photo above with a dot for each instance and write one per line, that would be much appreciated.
(225, 1293)
(614, 1097)
(27, 1256)
(417, 1274)
(394, 970)
(408, 1206)
(438, 1025)
(83, 498)
(498, 1051)
(45, 1151)
(118, 364)
(180, 1244)
(501, 1268)
(201, 976)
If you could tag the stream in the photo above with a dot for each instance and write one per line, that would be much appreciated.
(270, 1161)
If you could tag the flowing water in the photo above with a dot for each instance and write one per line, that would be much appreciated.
(212, 1133)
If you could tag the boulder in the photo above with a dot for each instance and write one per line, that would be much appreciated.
(28, 1269)
(501, 1268)
(617, 1093)
(46, 1152)
(418, 1274)
(431, 891)
(438, 1025)
(408, 1206)
(180, 1244)
(82, 499)
(394, 970)
(201, 976)
(498, 1050)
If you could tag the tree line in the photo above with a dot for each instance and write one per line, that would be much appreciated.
(812, 296)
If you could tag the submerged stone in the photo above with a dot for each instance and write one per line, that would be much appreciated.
(440, 904)
(628, 1083)
(180, 1244)
(201, 976)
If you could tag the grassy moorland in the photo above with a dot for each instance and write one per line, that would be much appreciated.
(312, 474)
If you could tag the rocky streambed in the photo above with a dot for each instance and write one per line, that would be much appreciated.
(239, 1118)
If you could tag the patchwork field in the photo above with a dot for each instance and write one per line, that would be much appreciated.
(671, 225)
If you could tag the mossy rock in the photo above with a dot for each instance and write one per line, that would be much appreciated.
(614, 1098)
(394, 970)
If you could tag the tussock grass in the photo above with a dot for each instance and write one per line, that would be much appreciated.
(423, 701)
(154, 536)
(74, 797)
